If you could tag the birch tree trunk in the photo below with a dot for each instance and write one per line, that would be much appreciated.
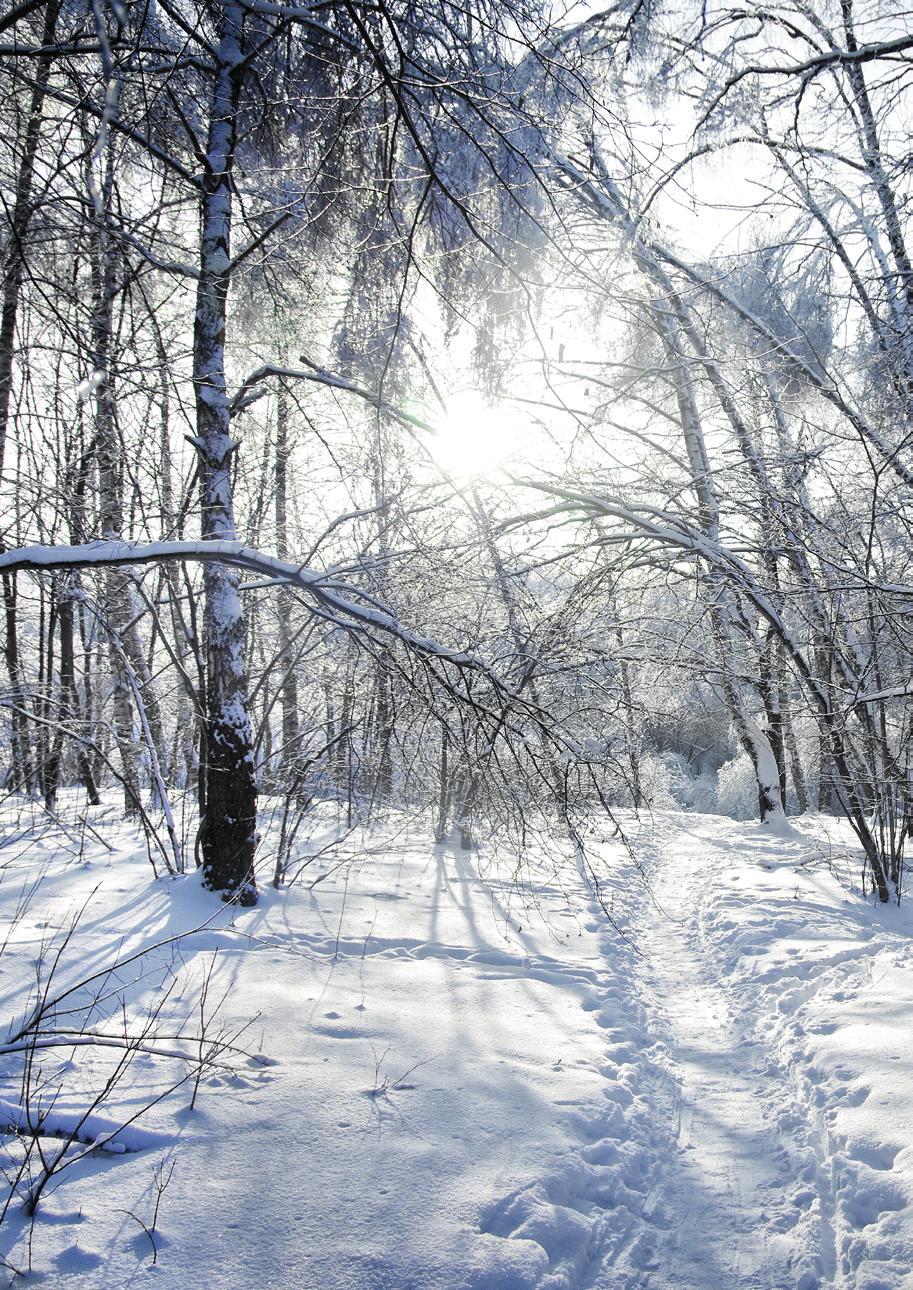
(118, 583)
(13, 276)
(69, 694)
(289, 695)
(228, 831)
(724, 611)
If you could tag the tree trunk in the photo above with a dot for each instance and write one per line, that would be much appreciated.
(289, 694)
(444, 788)
(724, 611)
(792, 748)
(13, 276)
(22, 768)
(14, 269)
(69, 694)
(120, 600)
(228, 831)
(768, 671)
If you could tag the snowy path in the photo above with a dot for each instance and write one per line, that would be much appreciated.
(725, 1191)
(483, 1083)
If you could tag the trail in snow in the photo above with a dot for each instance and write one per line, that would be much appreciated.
(724, 1206)
(483, 1085)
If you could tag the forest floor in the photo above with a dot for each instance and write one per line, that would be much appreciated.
(459, 1071)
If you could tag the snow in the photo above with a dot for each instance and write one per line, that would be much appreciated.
(103, 1134)
(452, 1070)
(789, 1044)
(90, 386)
(342, 603)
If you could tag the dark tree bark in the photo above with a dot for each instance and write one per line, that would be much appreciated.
(289, 682)
(228, 831)
(13, 276)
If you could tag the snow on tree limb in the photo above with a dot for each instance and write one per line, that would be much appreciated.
(676, 532)
(252, 389)
(827, 59)
(332, 596)
(601, 192)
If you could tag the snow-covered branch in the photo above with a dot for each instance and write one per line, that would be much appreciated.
(253, 389)
(331, 596)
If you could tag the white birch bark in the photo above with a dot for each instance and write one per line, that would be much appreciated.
(228, 829)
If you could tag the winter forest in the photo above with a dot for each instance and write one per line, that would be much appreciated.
(456, 546)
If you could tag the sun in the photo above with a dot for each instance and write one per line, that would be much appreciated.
(476, 437)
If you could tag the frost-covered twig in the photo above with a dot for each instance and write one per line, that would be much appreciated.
(327, 591)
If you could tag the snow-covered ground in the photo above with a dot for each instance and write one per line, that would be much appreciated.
(786, 999)
(452, 1071)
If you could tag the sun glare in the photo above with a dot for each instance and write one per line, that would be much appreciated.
(476, 437)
